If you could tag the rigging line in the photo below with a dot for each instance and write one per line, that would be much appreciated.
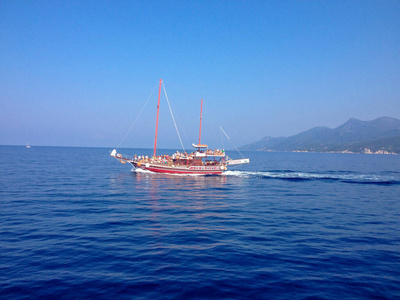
(211, 120)
(185, 94)
(222, 140)
(231, 141)
(183, 130)
(165, 92)
(137, 117)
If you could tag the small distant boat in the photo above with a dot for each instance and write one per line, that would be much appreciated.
(27, 145)
(202, 161)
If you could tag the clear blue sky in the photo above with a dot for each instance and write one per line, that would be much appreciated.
(76, 73)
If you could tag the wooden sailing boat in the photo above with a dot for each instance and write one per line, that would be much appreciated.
(202, 161)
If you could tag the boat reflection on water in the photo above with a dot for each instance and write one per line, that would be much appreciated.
(185, 186)
(174, 207)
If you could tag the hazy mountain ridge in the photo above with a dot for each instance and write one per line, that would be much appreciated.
(381, 135)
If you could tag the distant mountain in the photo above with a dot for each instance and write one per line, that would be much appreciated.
(381, 135)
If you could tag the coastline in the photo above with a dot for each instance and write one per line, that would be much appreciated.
(366, 151)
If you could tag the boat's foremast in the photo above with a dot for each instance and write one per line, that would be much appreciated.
(201, 117)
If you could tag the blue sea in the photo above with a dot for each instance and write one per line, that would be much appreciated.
(77, 224)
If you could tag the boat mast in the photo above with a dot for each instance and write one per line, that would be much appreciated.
(201, 117)
(158, 111)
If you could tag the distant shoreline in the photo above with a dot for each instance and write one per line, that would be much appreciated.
(379, 152)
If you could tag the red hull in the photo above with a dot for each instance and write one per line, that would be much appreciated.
(199, 170)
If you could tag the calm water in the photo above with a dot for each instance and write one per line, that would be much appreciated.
(75, 223)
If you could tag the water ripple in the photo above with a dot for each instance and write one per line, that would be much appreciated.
(281, 228)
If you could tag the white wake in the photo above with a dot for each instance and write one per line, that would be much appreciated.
(296, 175)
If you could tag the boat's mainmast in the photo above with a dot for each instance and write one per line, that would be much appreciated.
(158, 111)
